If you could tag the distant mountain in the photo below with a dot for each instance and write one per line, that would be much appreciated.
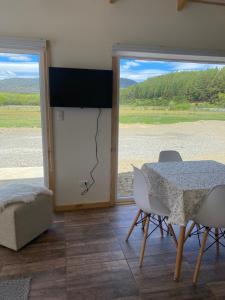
(31, 85)
(125, 82)
(20, 85)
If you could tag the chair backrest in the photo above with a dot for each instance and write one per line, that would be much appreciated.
(169, 155)
(142, 196)
(212, 210)
(141, 191)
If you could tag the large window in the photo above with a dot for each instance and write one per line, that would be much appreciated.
(25, 117)
(21, 148)
(169, 105)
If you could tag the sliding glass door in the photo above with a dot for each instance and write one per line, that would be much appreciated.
(21, 147)
(168, 105)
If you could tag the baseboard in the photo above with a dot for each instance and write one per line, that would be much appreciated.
(125, 202)
(73, 207)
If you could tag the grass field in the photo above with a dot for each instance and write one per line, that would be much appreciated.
(19, 99)
(15, 116)
(20, 116)
(147, 115)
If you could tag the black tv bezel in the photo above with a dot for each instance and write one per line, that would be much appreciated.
(53, 105)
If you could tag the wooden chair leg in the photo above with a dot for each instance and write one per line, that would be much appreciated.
(217, 240)
(143, 221)
(133, 224)
(170, 227)
(189, 231)
(160, 225)
(179, 255)
(144, 241)
(199, 259)
(198, 234)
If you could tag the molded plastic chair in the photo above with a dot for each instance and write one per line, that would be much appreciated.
(169, 155)
(211, 215)
(149, 207)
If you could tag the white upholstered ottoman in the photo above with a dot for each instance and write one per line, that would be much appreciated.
(22, 222)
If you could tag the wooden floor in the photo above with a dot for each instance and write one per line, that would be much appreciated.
(84, 256)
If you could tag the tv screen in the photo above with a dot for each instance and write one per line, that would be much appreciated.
(80, 88)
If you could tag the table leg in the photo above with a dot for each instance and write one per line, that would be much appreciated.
(179, 252)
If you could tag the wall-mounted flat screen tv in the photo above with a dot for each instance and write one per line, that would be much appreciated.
(80, 88)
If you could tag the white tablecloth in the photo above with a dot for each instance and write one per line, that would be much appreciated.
(182, 186)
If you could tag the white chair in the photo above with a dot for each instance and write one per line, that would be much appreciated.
(211, 215)
(149, 207)
(169, 155)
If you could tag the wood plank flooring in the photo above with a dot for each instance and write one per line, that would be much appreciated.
(84, 256)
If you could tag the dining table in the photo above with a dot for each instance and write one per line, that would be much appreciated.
(181, 187)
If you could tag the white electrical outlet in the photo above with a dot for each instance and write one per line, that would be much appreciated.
(60, 115)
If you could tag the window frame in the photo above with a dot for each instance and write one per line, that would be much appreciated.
(120, 51)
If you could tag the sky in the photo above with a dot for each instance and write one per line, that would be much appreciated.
(18, 66)
(140, 70)
(27, 66)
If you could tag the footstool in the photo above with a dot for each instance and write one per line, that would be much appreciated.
(21, 222)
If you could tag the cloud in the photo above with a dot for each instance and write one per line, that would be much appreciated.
(141, 75)
(140, 61)
(183, 66)
(6, 74)
(140, 70)
(19, 70)
(16, 57)
(129, 64)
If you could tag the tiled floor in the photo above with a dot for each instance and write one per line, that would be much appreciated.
(84, 256)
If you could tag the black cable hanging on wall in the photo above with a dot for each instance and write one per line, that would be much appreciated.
(88, 187)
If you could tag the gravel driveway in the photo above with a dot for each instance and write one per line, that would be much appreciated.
(142, 143)
(20, 147)
(21, 155)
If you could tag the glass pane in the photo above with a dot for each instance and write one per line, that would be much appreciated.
(20, 119)
(169, 106)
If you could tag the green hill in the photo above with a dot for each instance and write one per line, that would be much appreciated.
(179, 87)
(125, 82)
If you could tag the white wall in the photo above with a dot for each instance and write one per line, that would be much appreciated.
(81, 33)
(75, 155)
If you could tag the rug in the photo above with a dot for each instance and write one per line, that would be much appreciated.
(15, 289)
